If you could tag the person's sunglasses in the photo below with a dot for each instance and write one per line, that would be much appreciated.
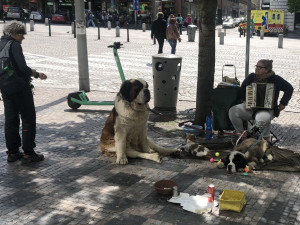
(259, 67)
(21, 35)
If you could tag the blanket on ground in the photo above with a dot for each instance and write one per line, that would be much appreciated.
(283, 160)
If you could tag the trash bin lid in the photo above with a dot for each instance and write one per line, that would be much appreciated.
(192, 26)
(166, 56)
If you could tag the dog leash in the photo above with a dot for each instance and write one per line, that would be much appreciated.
(259, 138)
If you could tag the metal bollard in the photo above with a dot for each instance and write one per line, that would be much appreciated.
(219, 31)
(72, 27)
(261, 34)
(109, 25)
(31, 25)
(46, 21)
(98, 30)
(144, 27)
(117, 31)
(221, 38)
(49, 21)
(127, 34)
(154, 40)
(224, 31)
(280, 40)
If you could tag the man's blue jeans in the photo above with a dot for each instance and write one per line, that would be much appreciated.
(173, 44)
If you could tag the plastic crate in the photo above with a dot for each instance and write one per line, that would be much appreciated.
(232, 200)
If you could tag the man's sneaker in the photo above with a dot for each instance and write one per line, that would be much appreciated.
(35, 157)
(14, 157)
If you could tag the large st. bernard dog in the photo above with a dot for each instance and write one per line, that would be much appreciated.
(125, 130)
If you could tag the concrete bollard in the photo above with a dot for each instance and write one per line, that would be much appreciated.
(280, 40)
(219, 31)
(31, 25)
(46, 21)
(117, 31)
(262, 34)
(144, 27)
(221, 38)
(109, 25)
(72, 27)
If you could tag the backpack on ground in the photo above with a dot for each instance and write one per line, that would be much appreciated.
(10, 82)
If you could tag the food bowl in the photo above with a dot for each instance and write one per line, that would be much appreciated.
(165, 187)
(189, 130)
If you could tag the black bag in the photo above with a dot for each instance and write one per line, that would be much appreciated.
(10, 82)
(223, 98)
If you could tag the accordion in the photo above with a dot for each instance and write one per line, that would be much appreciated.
(260, 95)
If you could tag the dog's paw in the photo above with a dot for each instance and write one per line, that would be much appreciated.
(220, 165)
(270, 157)
(156, 157)
(176, 153)
(122, 160)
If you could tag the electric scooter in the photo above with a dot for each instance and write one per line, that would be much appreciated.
(76, 99)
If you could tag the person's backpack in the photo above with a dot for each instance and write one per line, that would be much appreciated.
(10, 82)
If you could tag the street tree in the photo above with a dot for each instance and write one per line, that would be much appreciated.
(294, 7)
(206, 59)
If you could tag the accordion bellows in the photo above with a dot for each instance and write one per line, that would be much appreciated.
(260, 95)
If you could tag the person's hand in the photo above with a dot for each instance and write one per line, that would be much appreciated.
(42, 76)
(281, 107)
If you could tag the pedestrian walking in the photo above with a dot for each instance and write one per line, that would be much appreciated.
(252, 26)
(179, 20)
(188, 19)
(173, 35)
(20, 103)
(263, 74)
(158, 31)
(90, 19)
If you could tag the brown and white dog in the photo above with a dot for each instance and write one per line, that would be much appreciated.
(195, 149)
(125, 130)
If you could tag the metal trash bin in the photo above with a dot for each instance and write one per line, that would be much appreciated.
(191, 30)
(166, 75)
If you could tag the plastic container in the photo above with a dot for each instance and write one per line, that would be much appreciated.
(208, 128)
(232, 200)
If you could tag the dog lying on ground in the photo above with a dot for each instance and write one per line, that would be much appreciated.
(255, 151)
(234, 162)
(125, 131)
(254, 154)
(195, 149)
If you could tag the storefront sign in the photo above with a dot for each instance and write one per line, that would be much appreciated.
(135, 5)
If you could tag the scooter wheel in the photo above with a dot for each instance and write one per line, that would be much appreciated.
(71, 104)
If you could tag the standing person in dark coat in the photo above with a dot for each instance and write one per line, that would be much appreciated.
(20, 104)
(158, 30)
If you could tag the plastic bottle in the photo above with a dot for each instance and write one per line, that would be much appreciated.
(208, 128)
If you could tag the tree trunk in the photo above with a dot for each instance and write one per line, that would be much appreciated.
(206, 59)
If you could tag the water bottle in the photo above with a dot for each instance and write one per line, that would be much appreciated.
(208, 128)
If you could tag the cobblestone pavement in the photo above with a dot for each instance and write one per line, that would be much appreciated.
(76, 184)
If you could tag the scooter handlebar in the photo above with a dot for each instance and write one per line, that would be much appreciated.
(116, 45)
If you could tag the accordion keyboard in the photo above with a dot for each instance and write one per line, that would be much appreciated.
(260, 95)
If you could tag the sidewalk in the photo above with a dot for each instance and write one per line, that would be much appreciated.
(76, 184)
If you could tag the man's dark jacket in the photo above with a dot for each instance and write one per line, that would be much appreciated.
(280, 85)
(159, 28)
